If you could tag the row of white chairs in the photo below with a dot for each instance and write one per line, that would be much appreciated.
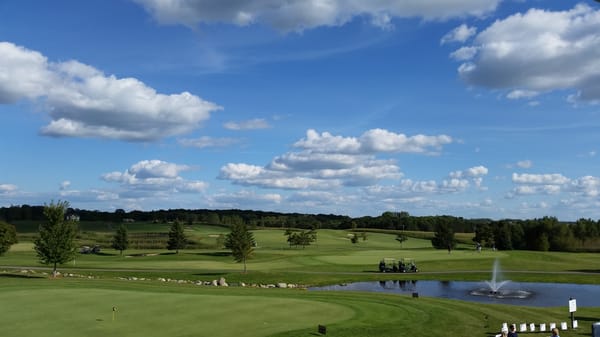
(524, 327)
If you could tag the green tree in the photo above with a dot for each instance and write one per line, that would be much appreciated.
(241, 242)
(542, 243)
(518, 236)
(561, 239)
(177, 239)
(444, 237)
(120, 240)
(503, 236)
(354, 238)
(484, 235)
(300, 238)
(581, 229)
(8, 237)
(56, 241)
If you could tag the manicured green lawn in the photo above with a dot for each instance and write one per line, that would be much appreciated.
(68, 308)
(332, 259)
(81, 307)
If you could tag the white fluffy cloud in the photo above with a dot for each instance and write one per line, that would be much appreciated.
(530, 184)
(538, 51)
(252, 175)
(459, 34)
(84, 102)
(298, 15)
(155, 175)
(372, 141)
(7, 188)
(23, 73)
(325, 161)
(473, 172)
(464, 53)
(458, 181)
(589, 186)
(540, 179)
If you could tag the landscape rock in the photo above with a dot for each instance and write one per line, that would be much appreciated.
(223, 282)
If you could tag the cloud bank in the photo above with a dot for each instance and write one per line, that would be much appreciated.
(324, 161)
(155, 175)
(536, 52)
(84, 102)
(299, 15)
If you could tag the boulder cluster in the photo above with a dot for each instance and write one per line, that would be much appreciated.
(221, 282)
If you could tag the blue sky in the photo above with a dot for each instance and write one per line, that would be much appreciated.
(473, 108)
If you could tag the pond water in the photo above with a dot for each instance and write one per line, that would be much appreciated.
(538, 294)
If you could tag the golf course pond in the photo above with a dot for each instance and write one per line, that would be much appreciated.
(513, 293)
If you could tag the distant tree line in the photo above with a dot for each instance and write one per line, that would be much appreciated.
(542, 234)
(253, 219)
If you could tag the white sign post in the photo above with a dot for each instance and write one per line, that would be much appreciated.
(572, 309)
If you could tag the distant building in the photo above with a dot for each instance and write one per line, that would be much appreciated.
(128, 220)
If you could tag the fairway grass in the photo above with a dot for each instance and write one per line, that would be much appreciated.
(331, 259)
(67, 307)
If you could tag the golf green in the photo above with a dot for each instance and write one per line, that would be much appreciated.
(89, 312)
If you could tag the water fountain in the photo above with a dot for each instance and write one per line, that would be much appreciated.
(497, 289)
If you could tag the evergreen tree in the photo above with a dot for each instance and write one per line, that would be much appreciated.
(241, 242)
(177, 239)
(120, 240)
(8, 237)
(56, 242)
